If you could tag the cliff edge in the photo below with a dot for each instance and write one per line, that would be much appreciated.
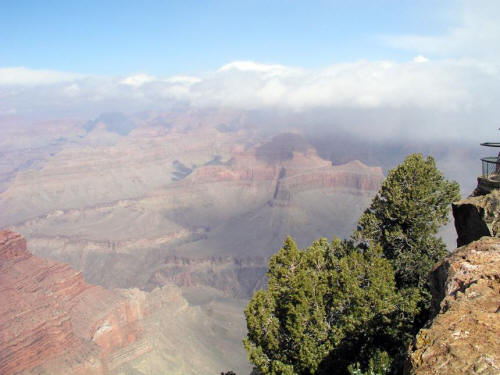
(464, 335)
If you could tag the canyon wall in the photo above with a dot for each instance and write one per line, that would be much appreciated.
(51, 320)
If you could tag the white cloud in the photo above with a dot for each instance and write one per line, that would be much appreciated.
(27, 77)
(435, 98)
(255, 67)
(137, 80)
(420, 59)
(183, 79)
(446, 85)
(72, 90)
(362, 84)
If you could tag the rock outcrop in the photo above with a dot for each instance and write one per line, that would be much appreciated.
(464, 336)
(477, 216)
(301, 171)
(52, 321)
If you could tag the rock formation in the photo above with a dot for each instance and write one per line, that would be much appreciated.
(477, 216)
(52, 321)
(180, 207)
(464, 335)
(233, 276)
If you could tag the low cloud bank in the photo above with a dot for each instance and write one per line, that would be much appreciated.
(448, 85)
(451, 88)
(448, 89)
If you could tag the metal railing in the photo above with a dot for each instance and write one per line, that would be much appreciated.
(491, 168)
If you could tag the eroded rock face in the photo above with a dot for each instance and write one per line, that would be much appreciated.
(464, 336)
(51, 321)
(233, 276)
(477, 216)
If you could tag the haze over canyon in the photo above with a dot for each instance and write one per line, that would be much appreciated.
(180, 211)
(150, 232)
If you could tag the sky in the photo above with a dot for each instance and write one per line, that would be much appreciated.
(440, 58)
(187, 37)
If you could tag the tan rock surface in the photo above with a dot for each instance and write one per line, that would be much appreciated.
(464, 336)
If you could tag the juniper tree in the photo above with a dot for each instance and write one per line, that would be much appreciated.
(324, 308)
(351, 306)
(404, 218)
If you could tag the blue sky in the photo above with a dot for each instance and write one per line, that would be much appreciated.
(187, 37)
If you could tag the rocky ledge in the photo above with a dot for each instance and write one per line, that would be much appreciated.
(464, 336)
(477, 216)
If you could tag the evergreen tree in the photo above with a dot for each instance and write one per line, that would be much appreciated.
(325, 307)
(404, 218)
(351, 307)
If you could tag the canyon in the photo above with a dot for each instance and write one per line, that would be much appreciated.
(133, 243)
(174, 214)
(53, 322)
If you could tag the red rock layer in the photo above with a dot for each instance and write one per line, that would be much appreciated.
(52, 321)
(305, 171)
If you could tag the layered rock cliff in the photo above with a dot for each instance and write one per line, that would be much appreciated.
(52, 321)
(464, 335)
(233, 276)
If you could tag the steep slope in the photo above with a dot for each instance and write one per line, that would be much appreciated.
(477, 216)
(52, 322)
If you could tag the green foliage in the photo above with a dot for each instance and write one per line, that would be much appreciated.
(351, 307)
(379, 364)
(405, 215)
(404, 218)
(323, 300)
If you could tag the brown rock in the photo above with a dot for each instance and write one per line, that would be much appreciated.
(464, 336)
